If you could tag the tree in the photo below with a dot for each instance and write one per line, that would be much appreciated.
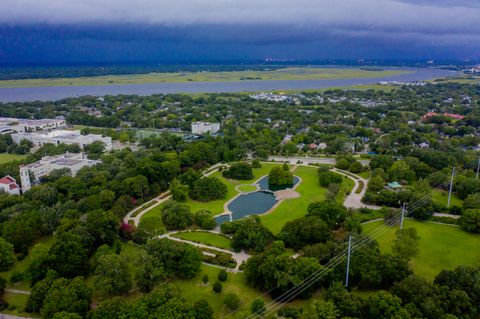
(217, 287)
(381, 161)
(137, 186)
(148, 273)
(179, 192)
(384, 305)
(241, 171)
(405, 244)
(322, 310)
(7, 257)
(72, 296)
(115, 307)
(208, 188)
(327, 178)
(205, 279)
(103, 226)
(256, 163)
(190, 177)
(251, 234)
(305, 231)
(258, 307)
(204, 219)
(330, 211)
(176, 216)
(66, 315)
(472, 201)
(96, 148)
(280, 177)
(400, 171)
(356, 167)
(176, 258)
(470, 220)
(222, 275)
(232, 301)
(112, 275)
(67, 257)
(203, 310)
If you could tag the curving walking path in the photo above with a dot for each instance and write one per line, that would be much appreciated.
(354, 200)
(240, 257)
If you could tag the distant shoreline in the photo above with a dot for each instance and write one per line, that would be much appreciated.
(221, 85)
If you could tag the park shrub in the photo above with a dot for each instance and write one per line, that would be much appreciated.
(242, 171)
(208, 188)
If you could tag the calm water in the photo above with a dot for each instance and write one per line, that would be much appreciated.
(253, 203)
(59, 92)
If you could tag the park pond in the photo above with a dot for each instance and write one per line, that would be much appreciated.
(254, 203)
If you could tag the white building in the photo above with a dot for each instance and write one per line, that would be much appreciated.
(205, 127)
(30, 174)
(9, 185)
(26, 125)
(62, 137)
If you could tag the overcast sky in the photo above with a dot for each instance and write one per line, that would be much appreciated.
(114, 30)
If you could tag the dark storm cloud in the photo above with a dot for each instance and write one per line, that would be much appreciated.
(182, 29)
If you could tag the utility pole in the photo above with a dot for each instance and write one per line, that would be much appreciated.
(451, 187)
(478, 166)
(403, 215)
(348, 259)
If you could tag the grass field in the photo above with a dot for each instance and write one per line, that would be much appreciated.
(441, 246)
(291, 209)
(442, 198)
(193, 290)
(290, 73)
(207, 238)
(246, 188)
(6, 157)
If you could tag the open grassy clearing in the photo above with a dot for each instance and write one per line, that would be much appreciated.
(442, 198)
(207, 238)
(441, 246)
(290, 73)
(6, 157)
(17, 304)
(38, 249)
(194, 289)
(291, 209)
(345, 188)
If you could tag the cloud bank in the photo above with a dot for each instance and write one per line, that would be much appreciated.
(158, 29)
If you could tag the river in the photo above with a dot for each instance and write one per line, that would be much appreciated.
(59, 92)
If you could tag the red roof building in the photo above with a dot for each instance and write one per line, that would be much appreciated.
(9, 185)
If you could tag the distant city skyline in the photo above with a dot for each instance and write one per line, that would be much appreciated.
(91, 31)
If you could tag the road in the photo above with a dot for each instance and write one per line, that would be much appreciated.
(310, 160)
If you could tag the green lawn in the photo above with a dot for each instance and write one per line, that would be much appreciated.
(38, 249)
(17, 304)
(216, 206)
(345, 188)
(247, 188)
(441, 246)
(207, 238)
(291, 209)
(6, 157)
(442, 198)
(193, 290)
(288, 73)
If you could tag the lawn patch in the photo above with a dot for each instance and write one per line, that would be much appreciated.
(441, 246)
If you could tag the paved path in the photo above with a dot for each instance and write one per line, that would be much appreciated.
(310, 160)
(446, 215)
(354, 200)
(160, 199)
(239, 257)
(17, 291)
